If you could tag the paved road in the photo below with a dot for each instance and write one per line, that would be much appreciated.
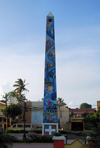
(19, 135)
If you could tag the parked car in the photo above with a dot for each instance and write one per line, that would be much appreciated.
(21, 126)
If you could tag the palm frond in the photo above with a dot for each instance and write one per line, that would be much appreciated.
(20, 87)
(25, 89)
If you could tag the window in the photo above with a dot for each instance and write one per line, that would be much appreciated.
(4, 119)
(79, 115)
(19, 125)
(27, 126)
(14, 125)
(20, 117)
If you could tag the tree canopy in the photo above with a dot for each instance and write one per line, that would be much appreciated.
(13, 110)
(85, 106)
(92, 122)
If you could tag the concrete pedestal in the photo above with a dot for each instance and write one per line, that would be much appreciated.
(59, 141)
(50, 128)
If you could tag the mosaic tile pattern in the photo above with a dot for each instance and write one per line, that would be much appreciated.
(50, 93)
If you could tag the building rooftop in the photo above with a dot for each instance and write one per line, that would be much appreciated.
(1, 103)
(81, 111)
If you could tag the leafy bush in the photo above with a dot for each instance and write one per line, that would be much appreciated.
(79, 133)
(38, 131)
(57, 134)
(32, 137)
(6, 140)
(14, 139)
(15, 131)
(63, 131)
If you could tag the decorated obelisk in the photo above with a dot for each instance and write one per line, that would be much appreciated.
(50, 92)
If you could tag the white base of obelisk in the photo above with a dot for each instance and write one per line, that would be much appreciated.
(49, 128)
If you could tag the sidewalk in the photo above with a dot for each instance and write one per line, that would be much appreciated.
(32, 145)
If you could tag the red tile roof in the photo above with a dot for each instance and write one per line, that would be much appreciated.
(81, 111)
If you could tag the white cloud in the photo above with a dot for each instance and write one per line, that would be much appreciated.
(5, 88)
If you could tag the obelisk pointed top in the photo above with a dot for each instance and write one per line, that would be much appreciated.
(50, 14)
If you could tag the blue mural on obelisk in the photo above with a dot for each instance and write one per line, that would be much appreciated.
(50, 92)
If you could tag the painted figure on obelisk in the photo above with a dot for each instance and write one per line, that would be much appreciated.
(50, 92)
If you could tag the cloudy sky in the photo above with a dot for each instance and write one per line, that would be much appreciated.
(77, 41)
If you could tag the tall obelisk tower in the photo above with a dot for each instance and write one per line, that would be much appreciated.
(50, 93)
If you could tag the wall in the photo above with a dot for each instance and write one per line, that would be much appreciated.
(97, 105)
(2, 105)
(63, 116)
(2, 117)
(37, 113)
(59, 143)
(76, 144)
(37, 117)
(37, 104)
(27, 114)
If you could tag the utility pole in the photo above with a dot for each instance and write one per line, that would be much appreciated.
(6, 115)
(6, 95)
(25, 110)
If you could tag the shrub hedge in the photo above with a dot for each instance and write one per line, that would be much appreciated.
(39, 131)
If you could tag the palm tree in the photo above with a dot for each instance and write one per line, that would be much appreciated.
(22, 97)
(20, 87)
(60, 100)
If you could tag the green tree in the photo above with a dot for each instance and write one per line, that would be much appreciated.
(92, 122)
(71, 114)
(85, 106)
(42, 99)
(13, 110)
(85, 114)
(5, 97)
(59, 100)
(20, 87)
